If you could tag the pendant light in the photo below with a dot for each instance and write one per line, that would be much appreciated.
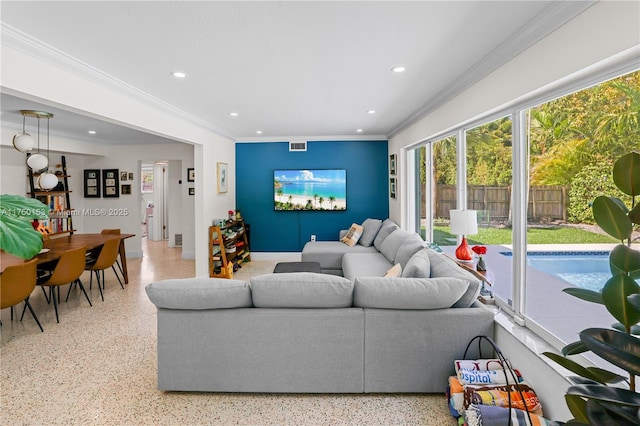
(47, 180)
(23, 141)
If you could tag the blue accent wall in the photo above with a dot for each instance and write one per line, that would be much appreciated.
(366, 163)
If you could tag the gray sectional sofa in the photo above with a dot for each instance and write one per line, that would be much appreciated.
(322, 333)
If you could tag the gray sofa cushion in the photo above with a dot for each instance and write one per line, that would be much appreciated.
(329, 253)
(411, 245)
(387, 227)
(301, 290)
(199, 293)
(370, 230)
(442, 266)
(408, 293)
(392, 243)
(364, 265)
(418, 266)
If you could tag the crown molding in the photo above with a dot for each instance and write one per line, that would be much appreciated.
(332, 138)
(31, 46)
(551, 18)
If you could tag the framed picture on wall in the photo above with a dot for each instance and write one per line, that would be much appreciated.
(392, 164)
(110, 183)
(392, 187)
(222, 177)
(92, 183)
(191, 175)
(125, 189)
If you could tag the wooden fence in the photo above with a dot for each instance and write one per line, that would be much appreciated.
(493, 203)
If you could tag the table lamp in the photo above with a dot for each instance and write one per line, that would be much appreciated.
(464, 222)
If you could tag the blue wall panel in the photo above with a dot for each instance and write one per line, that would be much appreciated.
(366, 163)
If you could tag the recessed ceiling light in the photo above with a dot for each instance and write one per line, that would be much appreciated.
(178, 74)
(259, 132)
(371, 111)
(92, 132)
(233, 114)
(359, 130)
(398, 69)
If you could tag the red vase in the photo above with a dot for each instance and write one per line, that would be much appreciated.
(463, 252)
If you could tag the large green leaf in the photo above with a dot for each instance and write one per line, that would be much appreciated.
(634, 300)
(634, 214)
(606, 414)
(620, 349)
(574, 348)
(574, 367)
(624, 259)
(578, 407)
(607, 394)
(611, 217)
(614, 295)
(626, 173)
(17, 236)
(584, 294)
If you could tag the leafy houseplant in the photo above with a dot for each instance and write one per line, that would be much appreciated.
(17, 235)
(592, 398)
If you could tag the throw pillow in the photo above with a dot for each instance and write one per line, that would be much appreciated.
(407, 293)
(391, 244)
(387, 227)
(394, 271)
(353, 235)
(370, 230)
(301, 290)
(418, 266)
(443, 266)
(199, 293)
(409, 247)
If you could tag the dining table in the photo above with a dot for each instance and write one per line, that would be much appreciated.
(53, 248)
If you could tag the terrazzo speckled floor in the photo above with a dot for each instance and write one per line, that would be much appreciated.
(98, 367)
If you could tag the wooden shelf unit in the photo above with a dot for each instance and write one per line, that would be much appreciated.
(228, 246)
(60, 220)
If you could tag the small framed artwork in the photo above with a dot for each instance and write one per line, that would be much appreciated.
(392, 187)
(130, 175)
(192, 191)
(92, 183)
(392, 164)
(125, 189)
(191, 175)
(110, 184)
(222, 177)
(123, 176)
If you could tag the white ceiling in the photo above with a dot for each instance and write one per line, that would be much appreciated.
(287, 68)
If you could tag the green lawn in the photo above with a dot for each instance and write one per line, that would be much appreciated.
(495, 236)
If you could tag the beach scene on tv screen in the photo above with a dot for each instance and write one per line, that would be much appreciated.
(310, 189)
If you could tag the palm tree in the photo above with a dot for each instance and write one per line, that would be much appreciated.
(321, 200)
(332, 200)
(280, 194)
(315, 199)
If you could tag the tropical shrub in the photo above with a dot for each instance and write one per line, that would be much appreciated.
(17, 236)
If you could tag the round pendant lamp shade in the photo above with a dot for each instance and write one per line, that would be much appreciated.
(37, 162)
(23, 142)
(47, 181)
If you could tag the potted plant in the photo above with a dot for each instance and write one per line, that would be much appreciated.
(598, 396)
(17, 235)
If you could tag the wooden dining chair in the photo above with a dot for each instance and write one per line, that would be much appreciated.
(68, 270)
(106, 259)
(16, 284)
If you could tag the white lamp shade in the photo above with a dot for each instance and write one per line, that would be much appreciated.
(37, 162)
(464, 222)
(47, 181)
(23, 142)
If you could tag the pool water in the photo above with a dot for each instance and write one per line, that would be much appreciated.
(589, 270)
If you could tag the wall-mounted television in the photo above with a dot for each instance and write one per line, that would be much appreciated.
(310, 189)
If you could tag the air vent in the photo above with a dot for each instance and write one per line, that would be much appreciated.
(297, 146)
(178, 239)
